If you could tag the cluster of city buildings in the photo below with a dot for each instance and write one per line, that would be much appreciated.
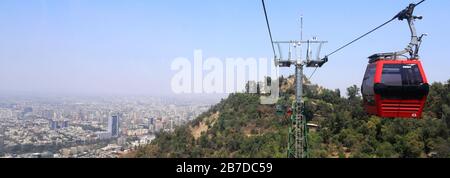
(68, 127)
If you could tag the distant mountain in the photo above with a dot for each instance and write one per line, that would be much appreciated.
(240, 127)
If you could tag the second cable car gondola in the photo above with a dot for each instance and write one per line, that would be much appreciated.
(395, 86)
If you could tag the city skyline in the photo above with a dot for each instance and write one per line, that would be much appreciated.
(83, 128)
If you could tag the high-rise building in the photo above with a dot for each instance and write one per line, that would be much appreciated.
(151, 121)
(151, 124)
(65, 124)
(53, 125)
(2, 142)
(113, 126)
(159, 125)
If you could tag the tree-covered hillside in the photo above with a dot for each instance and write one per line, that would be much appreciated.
(240, 127)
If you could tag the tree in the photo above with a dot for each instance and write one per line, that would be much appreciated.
(412, 146)
(385, 150)
(353, 92)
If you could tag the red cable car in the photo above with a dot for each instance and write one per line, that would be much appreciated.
(394, 87)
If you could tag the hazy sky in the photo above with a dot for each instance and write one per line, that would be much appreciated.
(126, 47)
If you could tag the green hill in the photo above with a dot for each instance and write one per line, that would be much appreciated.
(239, 127)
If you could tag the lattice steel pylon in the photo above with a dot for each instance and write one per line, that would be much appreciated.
(298, 128)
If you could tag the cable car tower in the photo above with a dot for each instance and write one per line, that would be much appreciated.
(298, 129)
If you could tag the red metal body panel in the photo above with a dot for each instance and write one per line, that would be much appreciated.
(399, 108)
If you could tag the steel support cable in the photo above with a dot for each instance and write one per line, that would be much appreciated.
(268, 27)
(362, 36)
(355, 40)
(315, 69)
